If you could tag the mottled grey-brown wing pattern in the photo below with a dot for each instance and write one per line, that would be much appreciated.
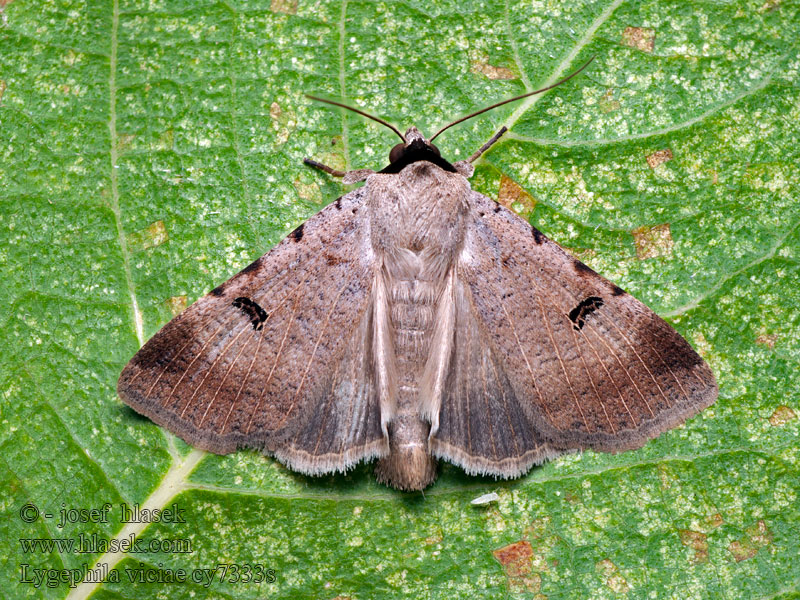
(278, 356)
(588, 365)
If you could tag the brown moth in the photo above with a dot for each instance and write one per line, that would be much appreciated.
(414, 319)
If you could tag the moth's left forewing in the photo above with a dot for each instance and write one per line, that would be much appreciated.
(277, 357)
(587, 364)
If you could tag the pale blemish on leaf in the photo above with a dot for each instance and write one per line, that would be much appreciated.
(641, 38)
(542, 543)
(176, 304)
(607, 103)
(166, 141)
(516, 559)
(2, 88)
(782, 415)
(3, 18)
(282, 123)
(124, 142)
(659, 157)
(153, 235)
(702, 347)
(758, 536)
(767, 339)
(288, 7)
(769, 6)
(484, 68)
(613, 578)
(697, 541)
(652, 241)
(308, 191)
(713, 521)
(665, 476)
(512, 196)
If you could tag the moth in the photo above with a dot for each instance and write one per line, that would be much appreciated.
(411, 320)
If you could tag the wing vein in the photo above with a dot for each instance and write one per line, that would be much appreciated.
(644, 364)
(244, 382)
(274, 365)
(316, 345)
(505, 402)
(211, 368)
(561, 362)
(224, 377)
(527, 364)
(611, 377)
(591, 380)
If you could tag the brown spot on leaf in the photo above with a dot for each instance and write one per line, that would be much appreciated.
(434, 539)
(3, 18)
(288, 7)
(607, 103)
(652, 242)
(714, 521)
(767, 340)
(666, 476)
(484, 68)
(748, 546)
(769, 6)
(614, 580)
(641, 38)
(166, 141)
(2, 88)
(514, 197)
(308, 191)
(176, 304)
(124, 142)
(516, 559)
(282, 123)
(659, 157)
(153, 235)
(275, 111)
(697, 542)
(782, 415)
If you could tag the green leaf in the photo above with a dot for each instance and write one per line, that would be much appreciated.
(150, 150)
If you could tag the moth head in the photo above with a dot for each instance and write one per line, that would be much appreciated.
(414, 142)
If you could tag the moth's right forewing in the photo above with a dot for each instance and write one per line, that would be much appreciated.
(589, 365)
(278, 357)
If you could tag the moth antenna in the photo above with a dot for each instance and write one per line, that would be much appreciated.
(514, 99)
(360, 112)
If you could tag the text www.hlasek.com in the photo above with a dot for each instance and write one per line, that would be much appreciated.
(91, 544)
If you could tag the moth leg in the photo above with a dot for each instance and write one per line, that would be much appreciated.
(487, 145)
(347, 176)
(465, 166)
(321, 167)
